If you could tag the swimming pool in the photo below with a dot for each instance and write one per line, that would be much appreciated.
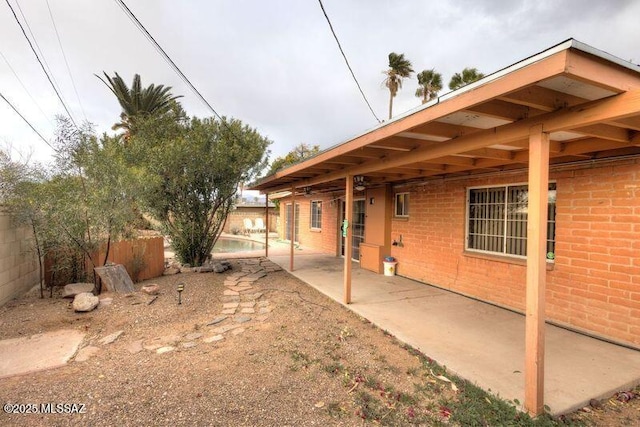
(230, 244)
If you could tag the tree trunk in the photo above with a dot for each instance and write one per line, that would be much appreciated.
(390, 105)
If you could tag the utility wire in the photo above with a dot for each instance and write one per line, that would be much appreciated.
(347, 61)
(73, 83)
(26, 121)
(166, 56)
(25, 88)
(41, 64)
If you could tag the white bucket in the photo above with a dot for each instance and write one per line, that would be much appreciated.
(389, 268)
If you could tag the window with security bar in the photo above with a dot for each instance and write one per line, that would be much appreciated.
(497, 220)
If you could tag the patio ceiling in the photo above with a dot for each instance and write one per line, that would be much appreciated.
(587, 100)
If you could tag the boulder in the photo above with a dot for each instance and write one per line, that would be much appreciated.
(170, 271)
(219, 268)
(151, 289)
(85, 301)
(73, 289)
(115, 278)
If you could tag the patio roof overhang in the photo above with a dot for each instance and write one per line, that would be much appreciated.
(586, 100)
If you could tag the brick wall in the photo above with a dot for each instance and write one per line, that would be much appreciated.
(325, 239)
(18, 265)
(595, 282)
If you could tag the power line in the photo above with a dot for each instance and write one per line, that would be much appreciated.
(73, 83)
(41, 65)
(347, 62)
(25, 88)
(26, 121)
(166, 56)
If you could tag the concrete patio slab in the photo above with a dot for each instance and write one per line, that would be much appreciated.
(479, 342)
(38, 352)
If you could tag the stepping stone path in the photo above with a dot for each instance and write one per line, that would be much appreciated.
(242, 305)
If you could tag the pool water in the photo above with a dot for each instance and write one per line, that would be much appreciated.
(229, 244)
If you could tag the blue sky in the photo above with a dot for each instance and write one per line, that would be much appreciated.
(274, 64)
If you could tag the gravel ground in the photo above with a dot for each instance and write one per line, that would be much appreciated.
(302, 360)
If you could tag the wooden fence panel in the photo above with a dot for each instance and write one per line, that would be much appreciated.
(143, 258)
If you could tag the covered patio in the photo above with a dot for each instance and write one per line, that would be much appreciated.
(564, 111)
(480, 342)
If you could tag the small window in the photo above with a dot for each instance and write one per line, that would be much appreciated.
(402, 205)
(316, 214)
(497, 220)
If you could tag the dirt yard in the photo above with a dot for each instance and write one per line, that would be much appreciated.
(284, 355)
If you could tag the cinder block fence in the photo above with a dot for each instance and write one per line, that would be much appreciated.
(18, 264)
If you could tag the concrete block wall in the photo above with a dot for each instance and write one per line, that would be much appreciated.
(594, 284)
(18, 265)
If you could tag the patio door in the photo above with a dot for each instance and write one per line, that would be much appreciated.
(287, 223)
(357, 228)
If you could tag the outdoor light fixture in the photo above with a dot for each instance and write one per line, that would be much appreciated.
(358, 183)
(307, 191)
(180, 289)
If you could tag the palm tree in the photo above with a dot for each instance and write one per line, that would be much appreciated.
(430, 84)
(469, 75)
(138, 102)
(399, 68)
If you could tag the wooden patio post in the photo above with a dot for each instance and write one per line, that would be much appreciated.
(266, 225)
(348, 203)
(536, 270)
(292, 226)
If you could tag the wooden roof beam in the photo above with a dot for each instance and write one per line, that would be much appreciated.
(613, 108)
(605, 132)
(542, 98)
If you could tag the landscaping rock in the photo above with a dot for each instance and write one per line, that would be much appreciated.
(214, 338)
(217, 320)
(111, 338)
(151, 289)
(85, 353)
(171, 271)
(135, 347)
(205, 269)
(85, 301)
(115, 278)
(73, 289)
(242, 319)
(219, 268)
(104, 302)
(193, 336)
(165, 349)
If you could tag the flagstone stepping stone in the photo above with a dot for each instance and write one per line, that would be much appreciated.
(193, 336)
(135, 347)
(111, 338)
(152, 347)
(230, 305)
(241, 288)
(229, 292)
(247, 304)
(166, 349)
(217, 320)
(264, 310)
(247, 311)
(214, 338)
(255, 296)
(264, 303)
(86, 353)
(242, 319)
(238, 331)
(230, 283)
(229, 311)
(188, 344)
(262, 317)
(225, 329)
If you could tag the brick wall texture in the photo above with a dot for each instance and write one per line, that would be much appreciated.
(18, 265)
(594, 284)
